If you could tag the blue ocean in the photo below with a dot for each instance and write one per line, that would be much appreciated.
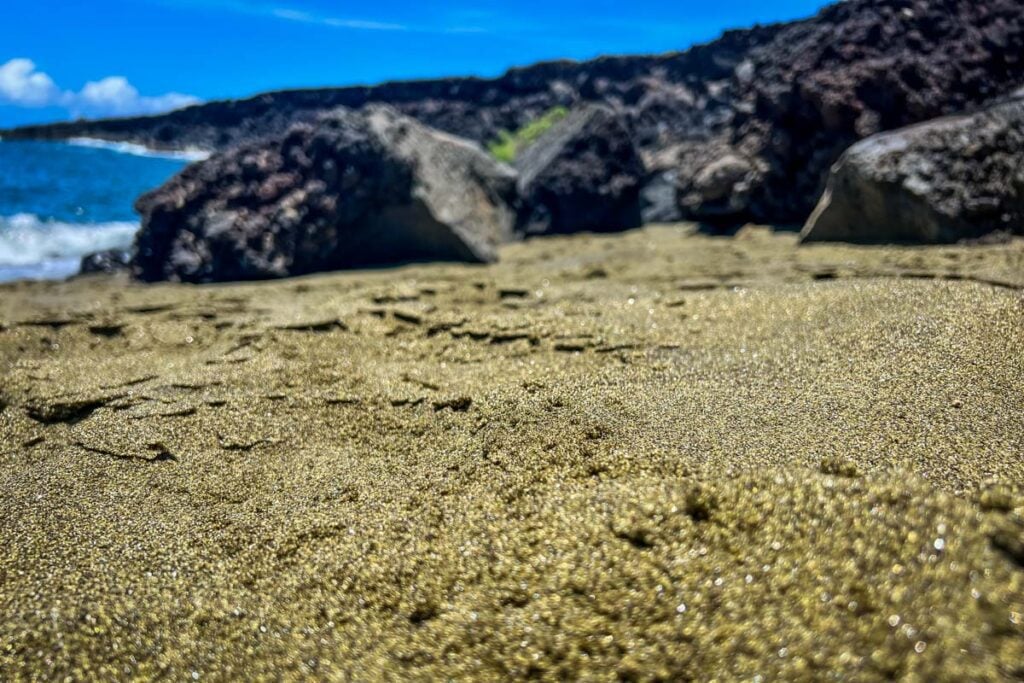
(59, 201)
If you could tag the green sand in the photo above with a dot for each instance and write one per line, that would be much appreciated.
(650, 456)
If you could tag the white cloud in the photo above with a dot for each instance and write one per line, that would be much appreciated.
(23, 85)
(115, 96)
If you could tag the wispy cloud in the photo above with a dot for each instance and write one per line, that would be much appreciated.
(501, 21)
(290, 14)
(293, 14)
(22, 84)
(334, 22)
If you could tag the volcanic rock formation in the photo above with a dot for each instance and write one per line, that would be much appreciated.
(860, 68)
(350, 190)
(584, 174)
(954, 178)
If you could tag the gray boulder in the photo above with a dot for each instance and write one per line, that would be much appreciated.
(585, 174)
(712, 181)
(718, 190)
(349, 190)
(946, 180)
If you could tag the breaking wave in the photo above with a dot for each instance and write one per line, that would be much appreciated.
(34, 248)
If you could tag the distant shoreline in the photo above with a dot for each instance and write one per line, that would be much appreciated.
(188, 154)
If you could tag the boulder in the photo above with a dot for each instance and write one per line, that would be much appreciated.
(860, 68)
(348, 190)
(712, 181)
(719, 190)
(946, 180)
(584, 174)
(109, 261)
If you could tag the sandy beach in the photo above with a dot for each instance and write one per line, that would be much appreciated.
(651, 456)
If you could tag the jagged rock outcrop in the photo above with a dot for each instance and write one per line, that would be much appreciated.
(349, 190)
(859, 68)
(954, 178)
(584, 174)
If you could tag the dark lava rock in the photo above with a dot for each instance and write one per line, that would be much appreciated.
(109, 261)
(946, 180)
(350, 190)
(860, 68)
(761, 140)
(584, 174)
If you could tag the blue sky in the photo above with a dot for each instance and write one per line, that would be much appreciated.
(66, 58)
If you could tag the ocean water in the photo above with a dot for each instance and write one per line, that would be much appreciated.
(59, 201)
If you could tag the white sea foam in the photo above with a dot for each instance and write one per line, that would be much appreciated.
(34, 248)
(140, 150)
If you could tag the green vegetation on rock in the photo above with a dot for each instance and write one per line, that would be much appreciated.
(508, 144)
